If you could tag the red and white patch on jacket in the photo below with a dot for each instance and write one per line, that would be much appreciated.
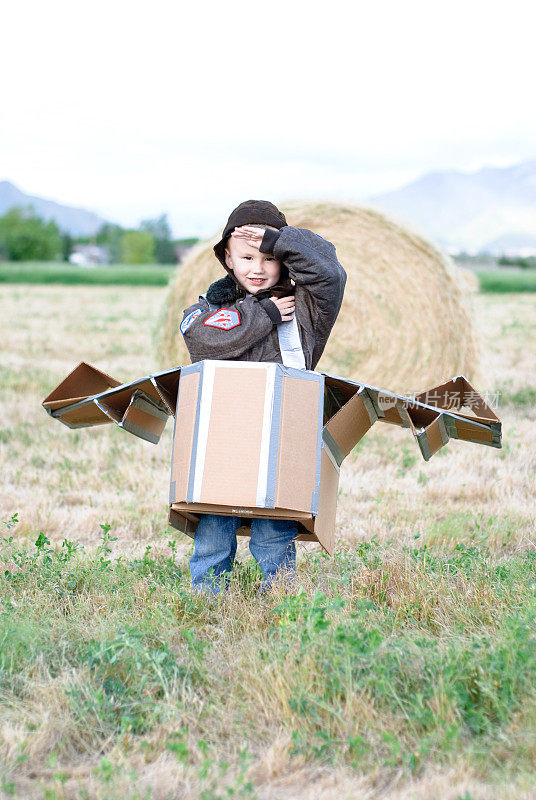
(224, 318)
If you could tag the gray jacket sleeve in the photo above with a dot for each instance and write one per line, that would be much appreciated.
(311, 262)
(209, 334)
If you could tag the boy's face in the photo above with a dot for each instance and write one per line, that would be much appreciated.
(253, 270)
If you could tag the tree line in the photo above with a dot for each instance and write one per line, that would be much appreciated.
(24, 236)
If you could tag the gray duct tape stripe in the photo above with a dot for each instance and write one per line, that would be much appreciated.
(302, 374)
(140, 432)
(404, 416)
(273, 450)
(367, 402)
(488, 444)
(290, 344)
(330, 456)
(443, 429)
(172, 483)
(450, 426)
(316, 494)
(484, 426)
(191, 368)
(332, 446)
(74, 425)
(423, 444)
(373, 395)
(191, 476)
(149, 405)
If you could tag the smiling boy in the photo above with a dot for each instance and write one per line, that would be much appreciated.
(278, 302)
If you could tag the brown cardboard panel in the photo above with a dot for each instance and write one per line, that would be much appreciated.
(429, 430)
(470, 434)
(421, 417)
(168, 386)
(298, 441)
(83, 381)
(337, 392)
(84, 416)
(181, 522)
(347, 388)
(390, 415)
(455, 394)
(234, 437)
(437, 435)
(242, 511)
(303, 535)
(137, 418)
(349, 425)
(388, 405)
(472, 418)
(434, 437)
(187, 523)
(119, 401)
(327, 504)
(145, 416)
(395, 413)
(308, 526)
(470, 425)
(184, 433)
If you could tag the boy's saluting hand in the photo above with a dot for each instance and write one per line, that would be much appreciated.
(253, 234)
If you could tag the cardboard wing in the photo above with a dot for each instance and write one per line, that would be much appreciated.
(434, 416)
(254, 439)
(90, 397)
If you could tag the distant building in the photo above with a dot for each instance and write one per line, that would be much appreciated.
(180, 250)
(89, 255)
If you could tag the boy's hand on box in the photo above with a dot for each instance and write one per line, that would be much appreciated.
(285, 307)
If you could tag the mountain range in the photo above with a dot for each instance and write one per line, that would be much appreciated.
(492, 210)
(76, 221)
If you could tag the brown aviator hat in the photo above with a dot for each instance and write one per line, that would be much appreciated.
(250, 212)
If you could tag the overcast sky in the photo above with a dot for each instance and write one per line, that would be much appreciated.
(132, 109)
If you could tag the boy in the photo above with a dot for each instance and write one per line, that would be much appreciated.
(278, 302)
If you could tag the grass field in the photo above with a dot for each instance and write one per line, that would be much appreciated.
(405, 667)
(498, 280)
(507, 280)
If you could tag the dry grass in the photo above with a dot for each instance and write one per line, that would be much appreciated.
(66, 483)
(405, 323)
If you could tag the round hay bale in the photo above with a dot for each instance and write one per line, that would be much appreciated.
(468, 280)
(404, 324)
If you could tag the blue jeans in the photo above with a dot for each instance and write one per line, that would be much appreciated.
(271, 545)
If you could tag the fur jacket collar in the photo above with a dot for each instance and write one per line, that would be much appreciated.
(223, 291)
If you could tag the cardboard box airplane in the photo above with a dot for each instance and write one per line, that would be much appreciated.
(261, 439)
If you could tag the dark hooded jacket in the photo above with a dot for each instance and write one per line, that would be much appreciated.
(245, 326)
